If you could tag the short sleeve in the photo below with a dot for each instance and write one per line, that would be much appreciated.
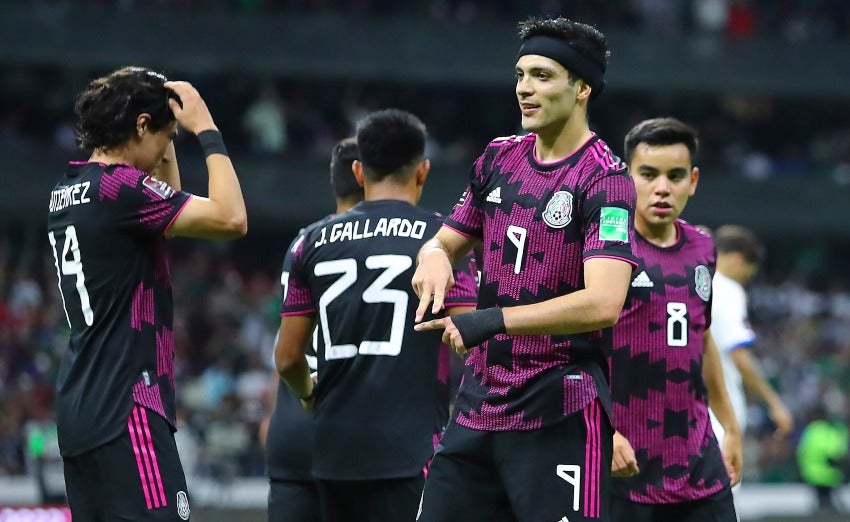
(287, 266)
(141, 202)
(299, 297)
(467, 216)
(608, 209)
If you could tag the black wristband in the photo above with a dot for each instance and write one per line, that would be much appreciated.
(212, 142)
(479, 325)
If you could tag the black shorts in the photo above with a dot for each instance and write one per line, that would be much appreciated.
(388, 500)
(293, 501)
(560, 472)
(137, 476)
(719, 507)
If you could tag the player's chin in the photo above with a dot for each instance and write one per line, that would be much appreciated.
(663, 219)
(530, 124)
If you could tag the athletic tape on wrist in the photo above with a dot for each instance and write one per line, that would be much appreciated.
(479, 325)
(212, 142)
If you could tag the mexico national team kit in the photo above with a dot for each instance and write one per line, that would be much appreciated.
(382, 393)
(537, 222)
(660, 399)
(115, 389)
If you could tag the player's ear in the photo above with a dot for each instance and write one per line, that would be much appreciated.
(142, 124)
(694, 180)
(422, 172)
(357, 170)
(582, 90)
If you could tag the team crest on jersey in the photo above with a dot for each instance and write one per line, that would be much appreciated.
(702, 280)
(182, 505)
(160, 188)
(559, 210)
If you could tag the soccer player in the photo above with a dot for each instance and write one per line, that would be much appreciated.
(739, 253)
(293, 494)
(107, 221)
(382, 394)
(553, 211)
(664, 357)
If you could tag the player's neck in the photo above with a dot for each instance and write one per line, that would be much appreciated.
(346, 204)
(561, 143)
(111, 156)
(382, 191)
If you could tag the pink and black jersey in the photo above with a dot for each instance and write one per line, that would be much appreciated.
(660, 399)
(382, 392)
(538, 223)
(105, 225)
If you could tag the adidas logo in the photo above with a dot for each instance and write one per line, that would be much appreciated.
(642, 281)
(495, 195)
(565, 519)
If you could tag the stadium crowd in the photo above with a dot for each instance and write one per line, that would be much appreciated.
(795, 20)
(749, 135)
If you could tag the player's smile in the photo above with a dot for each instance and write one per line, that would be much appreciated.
(528, 109)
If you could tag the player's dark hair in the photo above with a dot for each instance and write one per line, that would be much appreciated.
(737, 239)
(108, 107)
(589, 41)
(391, 141)
(343, 182)
(660, 132)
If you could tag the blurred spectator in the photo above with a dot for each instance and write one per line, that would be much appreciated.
(822, 455)
(741, 19)
(710, 16)
(265, 122)
(42, 456)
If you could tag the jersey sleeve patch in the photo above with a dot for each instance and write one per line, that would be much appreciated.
(614, 224)
(158, 187)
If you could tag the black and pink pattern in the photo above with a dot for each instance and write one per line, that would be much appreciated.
(117, 219)
(594, 467)
(147, 462)
(537, 223)
(165, 354)
(142, 310)
(660, 399)
(388, 403)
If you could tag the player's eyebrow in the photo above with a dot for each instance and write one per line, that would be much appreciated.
(536, 69)
(646, 168)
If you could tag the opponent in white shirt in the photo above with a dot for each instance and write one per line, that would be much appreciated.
(739, 253)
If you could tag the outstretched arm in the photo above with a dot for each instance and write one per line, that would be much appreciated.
(596, 306)
(756, 384)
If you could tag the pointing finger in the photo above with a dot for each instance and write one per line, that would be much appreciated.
(439, 297)
(434, 324)
(424, 301)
